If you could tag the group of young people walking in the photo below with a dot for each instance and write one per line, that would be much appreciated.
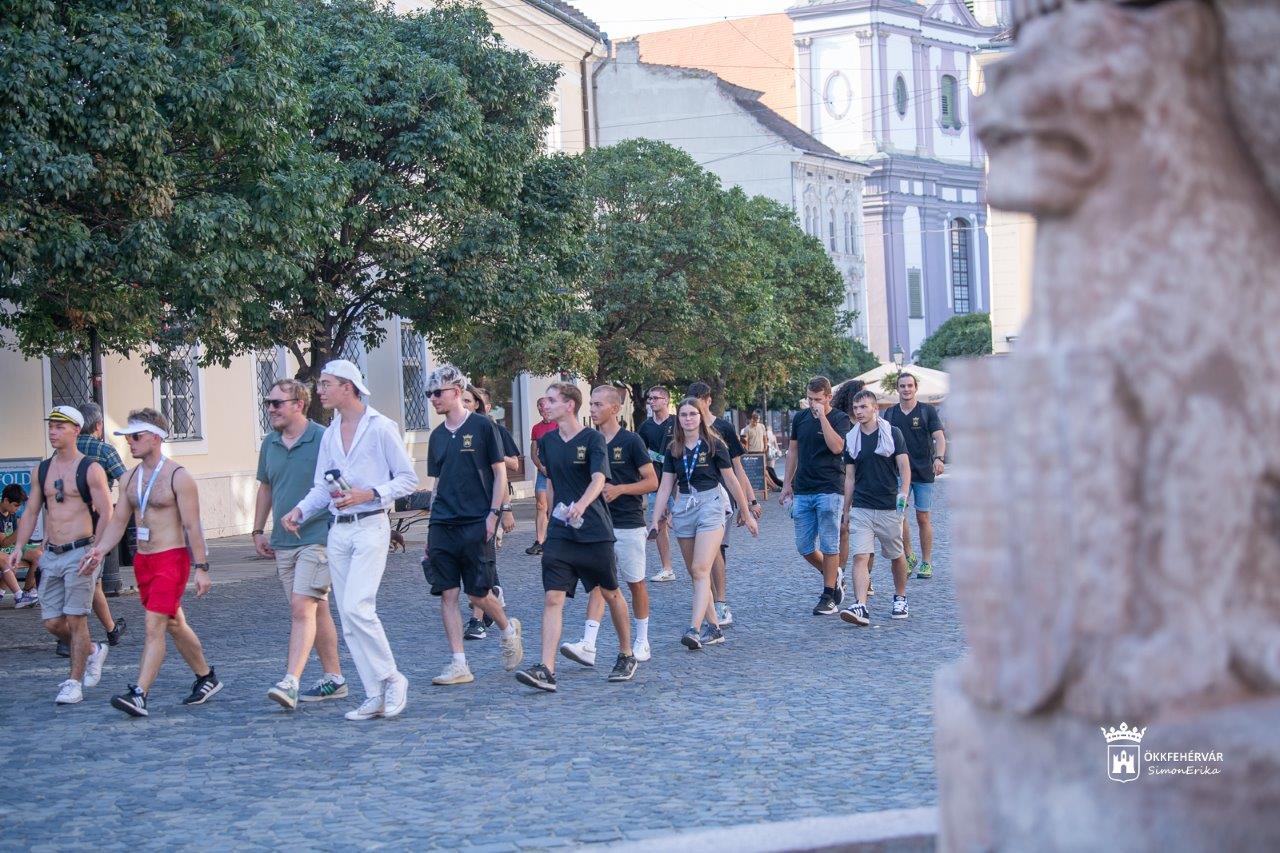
(328, 490)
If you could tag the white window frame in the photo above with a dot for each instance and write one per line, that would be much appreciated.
(413, 436)
(187, 446)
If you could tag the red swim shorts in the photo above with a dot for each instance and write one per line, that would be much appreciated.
(162, 578)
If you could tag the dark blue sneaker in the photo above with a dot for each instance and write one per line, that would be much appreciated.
(326, 688)
(711, 636)
(133, 702)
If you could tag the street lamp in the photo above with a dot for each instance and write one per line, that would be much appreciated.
(898, 356)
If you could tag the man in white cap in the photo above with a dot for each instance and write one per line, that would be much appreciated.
(72, 491)
(163, 499)
(361, 469)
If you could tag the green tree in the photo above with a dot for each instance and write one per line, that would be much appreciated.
(963, 336)
(149, 162)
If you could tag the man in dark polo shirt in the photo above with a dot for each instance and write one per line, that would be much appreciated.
(580, 538)
(465, 455)
(286, 472)
(877, 479)
(926, 447)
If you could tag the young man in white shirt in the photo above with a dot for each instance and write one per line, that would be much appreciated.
(363, 452)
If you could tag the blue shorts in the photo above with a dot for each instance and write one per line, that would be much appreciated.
(922, 496)
(817, 517)
(540, 483)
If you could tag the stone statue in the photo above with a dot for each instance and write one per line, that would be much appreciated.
(1117, 488)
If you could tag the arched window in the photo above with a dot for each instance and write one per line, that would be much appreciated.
(960, 254)
(950, 93)
(831, 230)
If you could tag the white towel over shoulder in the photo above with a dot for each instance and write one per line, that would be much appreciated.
(884, 439)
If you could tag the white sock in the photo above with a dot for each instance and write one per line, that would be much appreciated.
(509, 631)
(335, 677)
(460, 658)
(642, 630)
(589, 632)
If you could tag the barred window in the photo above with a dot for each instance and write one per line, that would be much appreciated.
(180, 396)
(960, 265)
(70, 383)
(266, 367)
(413, 367)
(353, 351)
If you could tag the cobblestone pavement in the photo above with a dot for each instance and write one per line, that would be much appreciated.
(794, 716)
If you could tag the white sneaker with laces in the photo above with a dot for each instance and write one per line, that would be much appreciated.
(512, 647)
(579, 652)
(454, 673)
(899, 607)
(664, 575)
(641, 651)
(723, 614)
(93, 666)
(26, 599)
(70, 693)
(395, 695)
(370, 708)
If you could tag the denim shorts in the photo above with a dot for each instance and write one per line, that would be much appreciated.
(817, 517)
(922, 496)
(540, 482)
(697, 512)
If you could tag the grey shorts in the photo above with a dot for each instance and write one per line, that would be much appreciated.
(698, 512)
(304, 571)
(629, 548)
(63, 590)
(869, 526)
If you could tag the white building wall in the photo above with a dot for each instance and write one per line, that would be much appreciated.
(899, 62)
(913, 258)
(949, 144)
(841, 102)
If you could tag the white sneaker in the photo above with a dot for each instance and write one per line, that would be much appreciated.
(723, 614)
(641, 651)
(70, 693)
(579, 652)
(502, 599)
(664, 575)
(512, 647)
(26, 599)
(395, 695)
(93, 666)
(454, 673)
(370, 708)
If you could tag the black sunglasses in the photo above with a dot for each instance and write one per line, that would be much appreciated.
(59, 493)
(439, 392)
(275, 404)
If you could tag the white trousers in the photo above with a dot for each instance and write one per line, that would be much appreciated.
(357, 559)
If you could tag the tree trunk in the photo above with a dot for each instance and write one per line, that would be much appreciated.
(309, 373)
(95, 366)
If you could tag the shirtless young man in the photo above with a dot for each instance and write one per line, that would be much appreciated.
(162, 496)
(66, 585)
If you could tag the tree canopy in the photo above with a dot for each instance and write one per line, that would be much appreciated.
(965, 335)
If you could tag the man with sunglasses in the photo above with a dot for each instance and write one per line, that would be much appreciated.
(361, 469)
(286, 471)
(163, 499)
(70, 526)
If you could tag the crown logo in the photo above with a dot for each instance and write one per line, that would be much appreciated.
(1132, 735)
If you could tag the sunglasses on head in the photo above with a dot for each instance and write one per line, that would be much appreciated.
(275, 404)
(59, 491)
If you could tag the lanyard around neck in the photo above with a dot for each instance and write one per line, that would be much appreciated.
(145, 497)
(689, 469)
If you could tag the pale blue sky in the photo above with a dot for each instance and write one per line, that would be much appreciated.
(623, 18)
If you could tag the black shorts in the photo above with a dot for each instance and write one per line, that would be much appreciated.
(459, 556)
(564, 563)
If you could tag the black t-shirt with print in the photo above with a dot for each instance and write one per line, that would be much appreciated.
(706, 469)
(628, 457)
(657, 438)
(917, 428)
(462, 462)
(875, 477)
(570, 465)
(818, 470)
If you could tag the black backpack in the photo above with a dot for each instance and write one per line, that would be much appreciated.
(82, 482)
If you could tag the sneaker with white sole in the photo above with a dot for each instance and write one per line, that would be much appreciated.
(370, 708)
(856, 615)
(723, 614)
(455, 673)
(711, 636)
(26, 599)
(133, 702)
(641, 651)
(475, 630)
(93, 666)
(538, 676)
(692, 639)
(579, 652)
(203, 689)
(624, 669)
(513, 647)
(325, 688)
(899, 607)
(395, 695)
(285, 694)
(664, 575)
(69, 693)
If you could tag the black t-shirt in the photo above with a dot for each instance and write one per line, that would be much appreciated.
(462, 463)
(570, 465)
(917, 428)
(628, 458)
(818, 470)
(875, 477)
(730, 438)
(508, 443)
(657, 438)
(706, 468)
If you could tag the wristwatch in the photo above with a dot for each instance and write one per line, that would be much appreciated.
(204, 566)
(755, 502)
(258, 533)
(506, 507)
(495, 510)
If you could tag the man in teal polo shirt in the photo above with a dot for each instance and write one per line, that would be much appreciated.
(286, 472)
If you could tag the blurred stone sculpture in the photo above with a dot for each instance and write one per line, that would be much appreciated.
(1117, 486)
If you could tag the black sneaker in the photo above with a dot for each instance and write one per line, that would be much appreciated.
(826, 606)
(624, 669)
(712, 636)
(856, 615)
(133, 702)
(114, 635)
(475, 630)
(839, 593)
(535, 548)
(61, 649)
(497, 593)
(204, 687)
(538, 676)
(692, 640)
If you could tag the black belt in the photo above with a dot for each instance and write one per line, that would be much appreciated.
(71, 546)
(347, 519)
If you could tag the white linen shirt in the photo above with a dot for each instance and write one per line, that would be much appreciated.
(377, 460)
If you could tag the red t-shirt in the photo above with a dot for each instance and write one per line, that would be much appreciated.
(541, 429)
